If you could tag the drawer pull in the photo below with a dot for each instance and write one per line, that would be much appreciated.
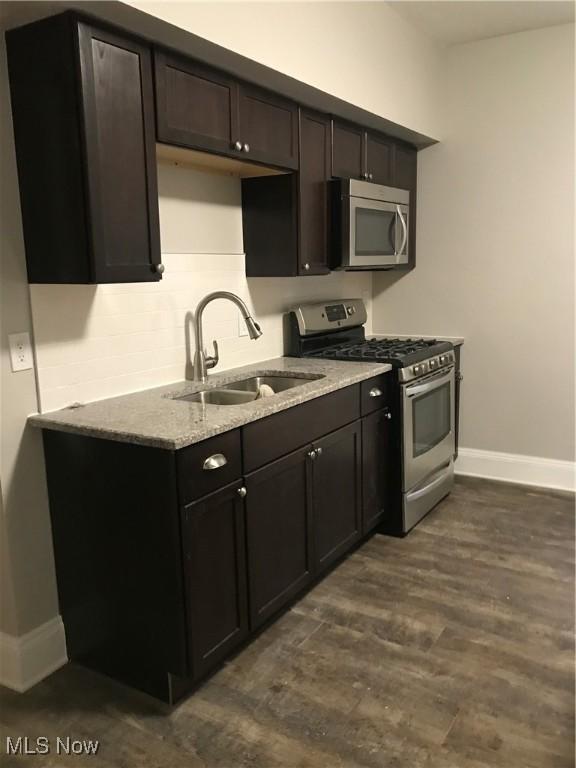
(241, 492)
(375, 392)
(215, 462)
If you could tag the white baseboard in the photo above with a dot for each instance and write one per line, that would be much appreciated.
(515, 468)
(26, 660)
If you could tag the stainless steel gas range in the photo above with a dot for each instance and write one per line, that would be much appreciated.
(423, 407)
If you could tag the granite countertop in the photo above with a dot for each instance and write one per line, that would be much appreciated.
(458, 341)
(154, 418)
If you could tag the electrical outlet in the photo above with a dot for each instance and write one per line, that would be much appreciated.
(21, 356)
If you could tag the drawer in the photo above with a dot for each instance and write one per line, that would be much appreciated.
(268, 439)
(370, 400)
(209, 465)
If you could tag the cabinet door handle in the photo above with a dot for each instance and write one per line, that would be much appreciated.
(242, 492)
(375, 392)
(215, 462)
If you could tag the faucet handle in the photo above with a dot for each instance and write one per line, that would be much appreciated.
(212, 362)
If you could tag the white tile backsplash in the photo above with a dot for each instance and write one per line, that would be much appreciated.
(94, 342)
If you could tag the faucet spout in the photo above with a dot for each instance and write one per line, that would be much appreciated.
(203, 362)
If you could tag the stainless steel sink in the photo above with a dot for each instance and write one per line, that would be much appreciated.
(219, 397)
(277, 383)
(246, 390)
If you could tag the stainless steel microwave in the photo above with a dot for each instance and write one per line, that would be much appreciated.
(370, 225)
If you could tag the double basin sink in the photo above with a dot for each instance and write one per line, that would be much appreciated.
(247, 390)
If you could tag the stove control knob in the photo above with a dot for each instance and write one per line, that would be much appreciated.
(350, 310)
(433, 364)
(416, 369)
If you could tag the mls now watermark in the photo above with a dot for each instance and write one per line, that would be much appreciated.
(42, 745)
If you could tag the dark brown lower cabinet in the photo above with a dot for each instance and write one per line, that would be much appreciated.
(215, 574)
(278, 533)
(336, 494)
(375, 467)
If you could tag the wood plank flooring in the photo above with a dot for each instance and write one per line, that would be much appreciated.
(451, 648)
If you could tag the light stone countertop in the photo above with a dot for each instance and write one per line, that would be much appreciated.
(458, 341)
(152, 417)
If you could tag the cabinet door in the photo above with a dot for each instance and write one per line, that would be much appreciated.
(278, 533)
(379, 151)
(348, 150)
(268, 127)
(337, 494)
(214, 549)
(313, 189)
(375, 467)
(118, 107)
(195, 106)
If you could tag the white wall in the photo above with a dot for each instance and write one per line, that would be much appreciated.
(496, 242)
(94, 342)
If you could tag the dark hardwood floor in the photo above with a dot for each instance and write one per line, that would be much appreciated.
(451, 648)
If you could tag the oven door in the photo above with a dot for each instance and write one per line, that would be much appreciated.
(428, 426)
(378, 233)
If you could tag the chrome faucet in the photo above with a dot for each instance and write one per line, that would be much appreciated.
(202, 361)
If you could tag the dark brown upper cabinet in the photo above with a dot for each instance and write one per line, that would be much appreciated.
(203, 108)
(379, 159)
(195, 106)
(347, 151)
(268, 127)
(285, 218)
(83, 112)
(361, 154)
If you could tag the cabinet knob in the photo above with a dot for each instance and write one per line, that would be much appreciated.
(160, 268)
(216, 461)
(388, 415)
(365, 175)
(237, 145)
(246, 147)
(306, 266)
(242, 492)
(318, 451)
(312, 454)
(370, 176)
(375, 392)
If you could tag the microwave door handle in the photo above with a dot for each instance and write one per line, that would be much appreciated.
(404, 232)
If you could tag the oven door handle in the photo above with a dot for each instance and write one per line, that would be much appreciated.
(431, 384)
(400, 251)
(437, 480)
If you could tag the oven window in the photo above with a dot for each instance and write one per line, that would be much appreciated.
(375, 232)
(430, 419)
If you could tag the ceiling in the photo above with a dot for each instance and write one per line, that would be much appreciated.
(450, 22)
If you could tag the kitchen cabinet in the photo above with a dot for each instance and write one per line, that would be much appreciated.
(196, 106)
(83, 113)
(202, 108)
(379, 159)
(215, 576)
(168, 561)
(286, 218)
(348, 150)
(336, 494)
(278, 533)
